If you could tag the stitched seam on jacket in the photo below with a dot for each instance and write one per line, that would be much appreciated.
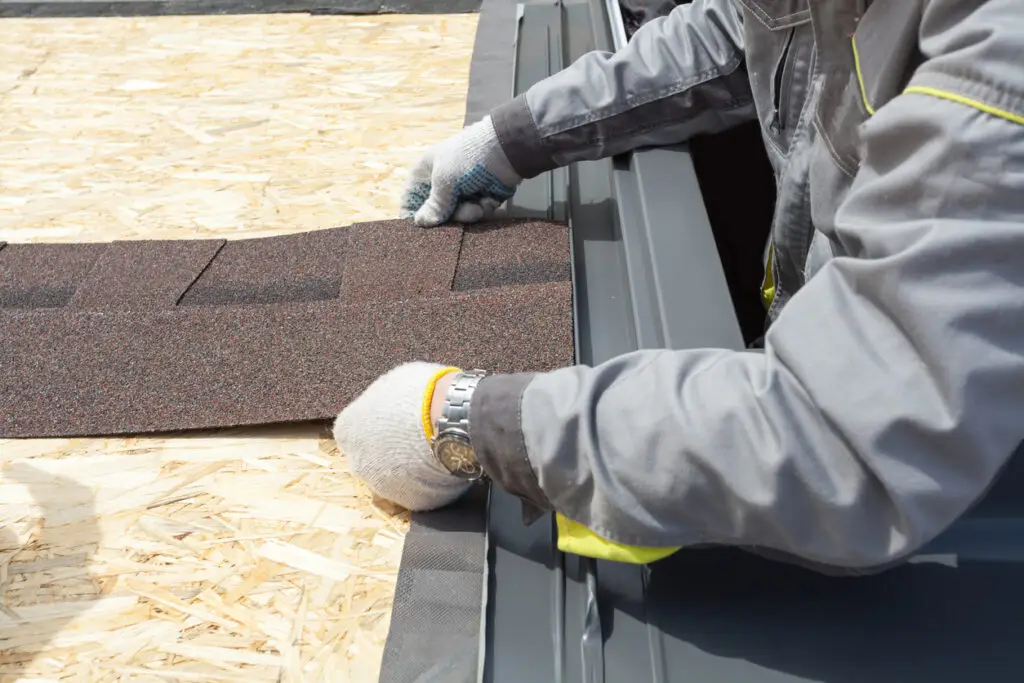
(823, 135)
(972, 80)
(759, 11)
(654, 124)
(810, 97)
(516, 148)
(635, 102)
(525, 453)
(543, 143)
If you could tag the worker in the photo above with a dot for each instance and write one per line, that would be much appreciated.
(888, 392)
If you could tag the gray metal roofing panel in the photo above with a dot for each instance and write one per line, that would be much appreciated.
(437, 619)
(538, 53)
(557, 617)
(491, 72)
(534, 612)
(670, 249)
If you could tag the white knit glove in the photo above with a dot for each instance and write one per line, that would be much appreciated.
(466, 177)
(382, 433)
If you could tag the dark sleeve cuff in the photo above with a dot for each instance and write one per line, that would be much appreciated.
(494, 425)
(520, 139)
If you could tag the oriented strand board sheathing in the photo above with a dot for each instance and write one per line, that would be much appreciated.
(215, 556)
(238, 556)
(169, 127)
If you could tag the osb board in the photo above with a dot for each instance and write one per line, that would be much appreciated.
(254, 556)
(233, 126)
(240, 555)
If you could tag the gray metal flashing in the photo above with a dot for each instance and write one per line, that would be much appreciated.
(437, 620)
(491, 67)
(428, 641)
(537, 54)
(669, 248)
(550, 614)
(616, 26)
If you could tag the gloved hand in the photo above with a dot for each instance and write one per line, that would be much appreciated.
(385, 434)
(466, 177)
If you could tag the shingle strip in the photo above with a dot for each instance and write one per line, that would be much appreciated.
(97, 373)
(136, 363)
(512, 251)
(305, 266)
(44, 275)
(142, 275)
(396, 260)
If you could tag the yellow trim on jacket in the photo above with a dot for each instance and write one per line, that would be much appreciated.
(577, 539)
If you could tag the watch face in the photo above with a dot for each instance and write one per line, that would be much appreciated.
(458, 457)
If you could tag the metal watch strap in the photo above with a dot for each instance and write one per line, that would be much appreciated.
(455, 412)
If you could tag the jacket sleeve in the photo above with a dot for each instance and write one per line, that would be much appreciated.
(679, 75)
(890, 390)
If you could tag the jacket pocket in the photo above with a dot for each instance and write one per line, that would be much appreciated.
(779, 86)
(779, 14)
(865, 71)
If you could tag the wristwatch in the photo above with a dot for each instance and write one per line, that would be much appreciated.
(452, 446)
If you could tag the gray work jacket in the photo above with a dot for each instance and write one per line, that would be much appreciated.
(890, 390)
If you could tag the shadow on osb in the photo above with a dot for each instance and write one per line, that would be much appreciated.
(48, 533)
